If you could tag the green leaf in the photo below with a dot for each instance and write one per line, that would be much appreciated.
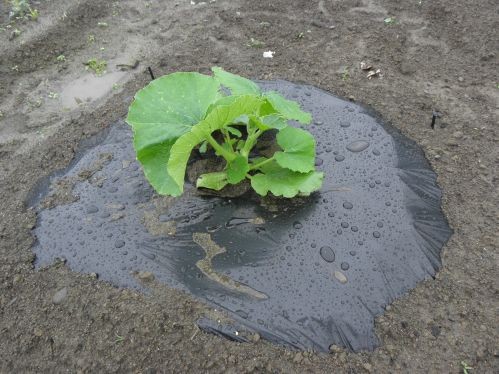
(271, 121)
(237, 169)
(234, 131)
(298, 150)
(163, 111)
(218, 118)
(225, 100)
(237, 85)
(214, 181)
(154, 160)
(287, 108)
(203, 147)
(284, 182)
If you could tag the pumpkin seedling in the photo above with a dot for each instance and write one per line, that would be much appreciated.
(179, 112)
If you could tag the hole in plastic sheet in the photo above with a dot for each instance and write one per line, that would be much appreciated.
(307, 272)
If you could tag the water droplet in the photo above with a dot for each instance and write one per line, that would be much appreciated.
(345, 266)
(345, 124)
(319, 161)
(119, 243)
(347, 205)
(379, 224)
(376, 234)
(327, 254)
(297, 225)
(344, 225)
(358, 146)
(376, 152)
(92, 209)
(339, 158)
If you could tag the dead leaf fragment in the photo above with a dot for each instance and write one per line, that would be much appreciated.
(365, 66)
(374, 73)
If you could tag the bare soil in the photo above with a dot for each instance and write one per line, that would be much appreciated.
(436, 56)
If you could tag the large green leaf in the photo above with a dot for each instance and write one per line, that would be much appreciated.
(224, 100)
(271, 121)
(237, 169)
(287, 108)
(218, 118)
(237, 85)
(163, 111)
(214, 181)
(298, 150)
(284, 182)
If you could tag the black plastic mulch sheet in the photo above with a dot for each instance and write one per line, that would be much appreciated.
(306, 272)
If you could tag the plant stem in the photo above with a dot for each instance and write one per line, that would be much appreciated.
(260, 164)
(227, 139)
(250, 141)
(229, 156)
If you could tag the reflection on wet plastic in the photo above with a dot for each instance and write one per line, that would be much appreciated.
(306, 273)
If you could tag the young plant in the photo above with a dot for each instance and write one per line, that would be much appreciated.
(179, 112)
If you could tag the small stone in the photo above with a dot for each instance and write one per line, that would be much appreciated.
(340, 276)
(37, 332)
(146, 276)
(333, 348)
(457, 135)
(342, 357)
(460, 79)
(298, 358)
(60, 295)
(481, 352)
(435, 331)
(368, 367)
(17, 279)
(255, 338)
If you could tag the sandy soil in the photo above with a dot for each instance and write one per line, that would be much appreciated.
(437, 55)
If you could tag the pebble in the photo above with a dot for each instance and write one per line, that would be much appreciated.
(457, 134)
(335, 349)
(340, 276)
(255, 338)
(60, 295)
(368, 367)
(146, 276)
(298, 358)
(37, 332)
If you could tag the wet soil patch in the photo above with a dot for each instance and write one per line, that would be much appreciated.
(307, 274)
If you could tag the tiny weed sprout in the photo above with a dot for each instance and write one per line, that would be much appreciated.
(98, 67)
(181, 112)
